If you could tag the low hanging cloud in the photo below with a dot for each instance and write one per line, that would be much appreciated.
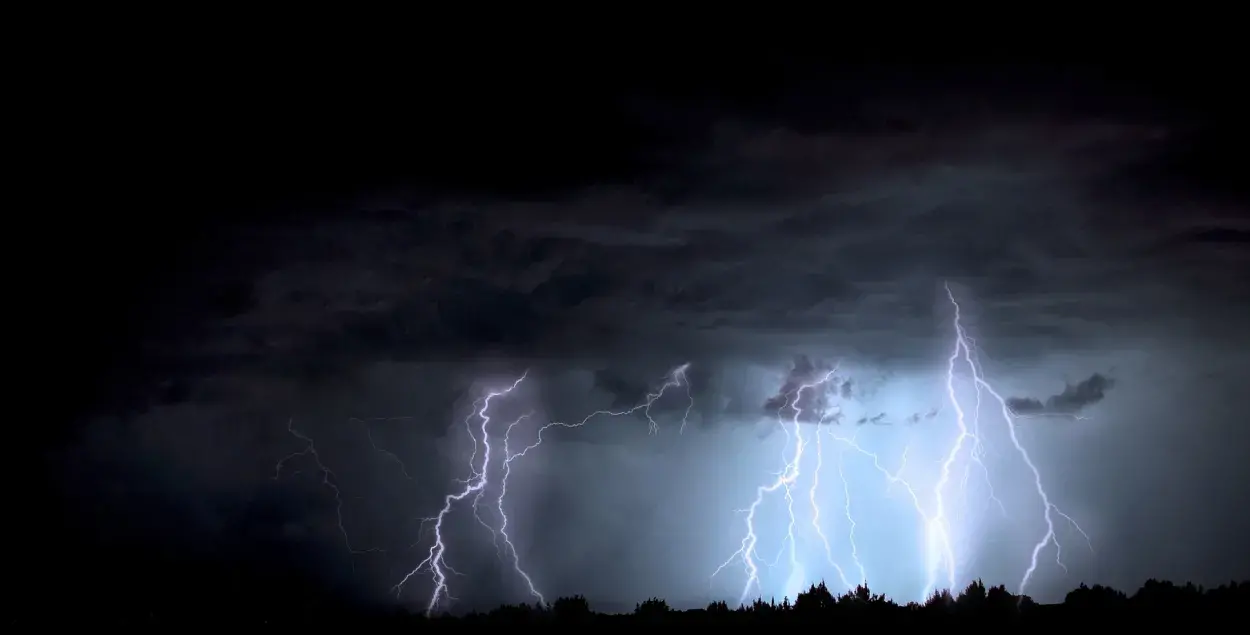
(1074, 398)
(813, 404)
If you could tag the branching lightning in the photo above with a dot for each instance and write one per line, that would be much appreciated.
(790, 472)
(932, 496)
(932, 505)
(478, 483)
(1049, 509)
(812, 495)
(503, 524)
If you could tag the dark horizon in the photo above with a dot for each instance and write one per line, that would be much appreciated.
(288, 254)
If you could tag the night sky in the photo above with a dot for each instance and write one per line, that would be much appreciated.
(297, 249)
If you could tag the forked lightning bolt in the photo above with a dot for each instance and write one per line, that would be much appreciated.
(514, 557)
(931, 504)
(491, 462)
(964, 349)
(747, 552)
(434, 562)
(478, 482)
(675, 379)
(812, 495)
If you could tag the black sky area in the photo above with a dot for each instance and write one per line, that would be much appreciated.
(362, 244)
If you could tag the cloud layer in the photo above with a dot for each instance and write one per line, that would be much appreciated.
(603, 244)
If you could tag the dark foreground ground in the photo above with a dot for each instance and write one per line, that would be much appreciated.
(975, 605)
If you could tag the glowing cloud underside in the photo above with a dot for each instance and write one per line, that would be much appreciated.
(820, 463)
(932, 503)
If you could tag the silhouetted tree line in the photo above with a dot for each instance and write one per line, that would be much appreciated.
(976, 604)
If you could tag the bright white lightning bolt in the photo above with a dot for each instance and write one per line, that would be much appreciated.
(503, 525)
(941, 558)
(1049, 509)
(931, 503)
(812, 495)
(473, 486)
(746, 553)
(478, 482)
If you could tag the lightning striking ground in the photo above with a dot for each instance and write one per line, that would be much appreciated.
(514, 557)
(435, 562)
(1049, 509)
(932, 505)
(479, 482)
(675, 379)
(492, 458)
(790, 472)
(813, 493)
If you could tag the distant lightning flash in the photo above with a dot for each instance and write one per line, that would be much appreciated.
(476, 486)
(390, 456)
(328, 478)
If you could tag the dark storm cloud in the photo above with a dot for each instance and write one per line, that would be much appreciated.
(805, 395)
(684, 231)
(625, 392)
(1073, 399)
(848, 229)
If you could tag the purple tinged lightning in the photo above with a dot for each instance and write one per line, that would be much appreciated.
(675, 379)
(491, 463)
(1049, 509)
(478, 481)
(503, 515)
